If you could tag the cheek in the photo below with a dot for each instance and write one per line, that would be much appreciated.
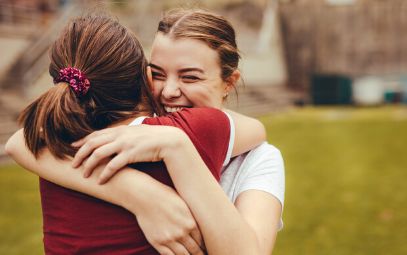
(157, 88)
(209, 98)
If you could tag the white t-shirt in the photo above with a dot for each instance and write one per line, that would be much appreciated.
(259, 169)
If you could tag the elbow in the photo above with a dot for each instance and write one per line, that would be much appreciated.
(261, 131)
(10, 148)
(12, 144)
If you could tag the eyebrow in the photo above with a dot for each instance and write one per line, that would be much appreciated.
(184, 70)
(156, 67)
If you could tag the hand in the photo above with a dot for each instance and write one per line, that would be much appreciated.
(132, 144)
(168, 223)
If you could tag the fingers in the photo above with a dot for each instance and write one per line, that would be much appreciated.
(82, 141)
(97, 156)
(89, 146)
(197, 236)
(117, 163)
(164, 250)
(179, 249)
(191, 246)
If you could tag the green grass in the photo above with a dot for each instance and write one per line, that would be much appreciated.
(20, 212)
(345, 180)
(345, 185)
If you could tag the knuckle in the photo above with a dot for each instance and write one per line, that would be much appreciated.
(97, 154)
(194, 249)
(108, 168)
(91, 142)
(163, 240)
(191, 225)
(179, 235)
(168, 237)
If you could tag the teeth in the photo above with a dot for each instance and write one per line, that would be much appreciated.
(172, 109)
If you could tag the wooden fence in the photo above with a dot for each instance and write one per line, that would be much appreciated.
(345, 40)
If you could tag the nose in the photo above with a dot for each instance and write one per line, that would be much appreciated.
(171, 89)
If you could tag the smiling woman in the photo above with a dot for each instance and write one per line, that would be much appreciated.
(194, 62)
(192, 77)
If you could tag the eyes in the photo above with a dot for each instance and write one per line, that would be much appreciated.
(190, 78)
(158, 76)
(185, 78)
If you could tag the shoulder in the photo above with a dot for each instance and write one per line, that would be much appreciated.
(208, 128)
(192, 116)
(260, 169)
(265, 153)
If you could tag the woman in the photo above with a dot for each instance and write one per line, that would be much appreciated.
(106, 87)
(215, 103)
(253, 181)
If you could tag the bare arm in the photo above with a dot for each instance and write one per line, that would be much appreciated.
(249, 132)
(170, 227)
(226, 230)
(248, 228)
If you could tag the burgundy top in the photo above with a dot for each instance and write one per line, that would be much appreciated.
(75, 223)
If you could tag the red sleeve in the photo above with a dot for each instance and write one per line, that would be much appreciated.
(208, 129)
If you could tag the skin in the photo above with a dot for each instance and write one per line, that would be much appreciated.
(192, 79)
(193, 76)
(248, 227)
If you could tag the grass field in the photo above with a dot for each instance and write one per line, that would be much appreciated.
(345, 185)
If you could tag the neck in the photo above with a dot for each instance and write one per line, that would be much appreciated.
(131, 118)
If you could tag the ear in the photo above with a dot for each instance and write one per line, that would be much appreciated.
(232, 81)
(150, 78)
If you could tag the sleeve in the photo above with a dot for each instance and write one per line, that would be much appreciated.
(209, 130)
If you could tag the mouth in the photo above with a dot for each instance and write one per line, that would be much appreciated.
(169, 109)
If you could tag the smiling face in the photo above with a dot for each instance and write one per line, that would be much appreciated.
(186, 73)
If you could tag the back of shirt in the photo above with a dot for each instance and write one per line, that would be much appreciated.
(75, 223)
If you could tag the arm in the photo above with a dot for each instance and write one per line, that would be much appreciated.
(262, 212)
(169, 226)
(248, 228)
(249, 132)
(234, 228)
(225, 229)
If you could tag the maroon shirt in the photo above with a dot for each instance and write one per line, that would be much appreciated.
(75, 223)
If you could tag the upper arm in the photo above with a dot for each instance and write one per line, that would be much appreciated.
(262, 212)
(249, 133)
(260, 189)
(46, 166)
(62, 173)
(15, 148)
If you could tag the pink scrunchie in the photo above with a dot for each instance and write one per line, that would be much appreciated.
(76, 79)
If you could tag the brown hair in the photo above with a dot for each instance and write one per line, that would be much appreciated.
(114, 63)
(214, 30)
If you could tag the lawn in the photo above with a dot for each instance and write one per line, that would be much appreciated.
(345, 185)
(345, 180)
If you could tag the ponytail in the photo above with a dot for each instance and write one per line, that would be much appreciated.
(99, 71)
(55, 119)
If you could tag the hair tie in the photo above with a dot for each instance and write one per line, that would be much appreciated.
(76, 79)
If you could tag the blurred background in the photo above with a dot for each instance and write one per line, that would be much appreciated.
(328, 78)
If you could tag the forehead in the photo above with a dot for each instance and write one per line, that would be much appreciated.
(182, 52)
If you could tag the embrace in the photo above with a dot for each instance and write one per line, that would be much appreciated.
(141, 158)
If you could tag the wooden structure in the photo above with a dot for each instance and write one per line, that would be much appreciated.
(363, 38)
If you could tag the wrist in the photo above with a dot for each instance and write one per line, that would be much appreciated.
(178, 145)
(134, 189)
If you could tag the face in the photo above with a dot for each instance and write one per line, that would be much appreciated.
(186, 73)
